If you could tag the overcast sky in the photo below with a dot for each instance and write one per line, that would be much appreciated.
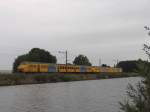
(106, 29)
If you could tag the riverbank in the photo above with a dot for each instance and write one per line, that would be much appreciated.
(20, 79)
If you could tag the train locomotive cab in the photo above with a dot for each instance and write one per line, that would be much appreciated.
(23, 67)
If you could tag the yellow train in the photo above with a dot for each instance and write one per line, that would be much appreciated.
(35, 67)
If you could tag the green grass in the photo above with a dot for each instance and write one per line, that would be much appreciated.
(18, 79)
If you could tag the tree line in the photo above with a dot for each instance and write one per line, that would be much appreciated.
(41, 55)
(130, 65)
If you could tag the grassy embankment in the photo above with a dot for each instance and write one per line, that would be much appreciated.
(18, 79)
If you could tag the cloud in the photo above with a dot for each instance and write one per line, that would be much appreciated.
(97, 28)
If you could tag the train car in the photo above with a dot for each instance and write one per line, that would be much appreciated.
(104, 69)
(82, 69)
(43, 68)
(52, 68)
(34, 67)
(92, 69)
(23, 67)
(27, 67)
(69, 68)
(96, 69)
(37, 67)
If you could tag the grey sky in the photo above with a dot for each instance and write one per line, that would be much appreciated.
(106, 29)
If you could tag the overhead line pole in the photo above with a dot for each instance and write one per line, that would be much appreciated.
(99, 62)
(66, 61)
(66, 53)
(116, 62)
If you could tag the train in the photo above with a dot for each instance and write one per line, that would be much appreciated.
(38, 67)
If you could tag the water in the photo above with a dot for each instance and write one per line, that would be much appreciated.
(81, 96)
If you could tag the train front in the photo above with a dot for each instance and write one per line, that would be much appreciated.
(22, 67)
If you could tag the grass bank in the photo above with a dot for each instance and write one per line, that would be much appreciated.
(19, 79)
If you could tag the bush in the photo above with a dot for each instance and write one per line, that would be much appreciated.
(139, 96)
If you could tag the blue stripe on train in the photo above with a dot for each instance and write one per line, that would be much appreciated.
(82, 69)
(51, 69)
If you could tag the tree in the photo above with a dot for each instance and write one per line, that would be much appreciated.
(18, 60)
(34, 55)
(128, 66)
(105, 65)
(140, 95)
(81, 60)
(41, 55)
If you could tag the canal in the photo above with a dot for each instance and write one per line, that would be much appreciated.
(80, 96)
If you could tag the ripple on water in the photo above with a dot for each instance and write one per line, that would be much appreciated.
(81, 96)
